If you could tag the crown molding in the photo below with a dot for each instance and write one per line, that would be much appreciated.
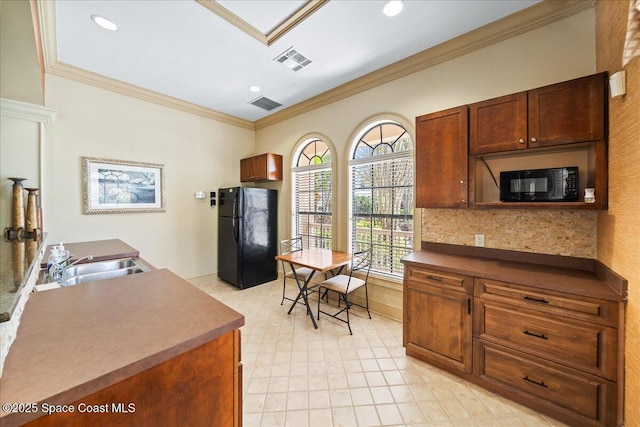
(70, 72)
(306, 10)
(46, 11)
(26, 111)
(534, 17)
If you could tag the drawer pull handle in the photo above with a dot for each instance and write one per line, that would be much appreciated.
(541, 336)
(436, 278)
(540, 300)
(541, 383)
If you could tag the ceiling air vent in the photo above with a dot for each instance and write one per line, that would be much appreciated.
(293, 59)
(265, 103)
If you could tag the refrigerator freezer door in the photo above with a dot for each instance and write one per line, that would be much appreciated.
(230, 201)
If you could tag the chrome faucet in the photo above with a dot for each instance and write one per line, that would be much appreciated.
(56, 271)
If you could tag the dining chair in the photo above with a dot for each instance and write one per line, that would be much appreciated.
(288, 246)
(345, 284)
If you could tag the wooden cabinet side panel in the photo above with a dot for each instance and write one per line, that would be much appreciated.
(195, 388)
(568, 112)
(498, 124)
(441, 159)
(274, 167)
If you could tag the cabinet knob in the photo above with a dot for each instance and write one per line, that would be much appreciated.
(463, 201)
(533, 139)
(462, 181)
(521, 141)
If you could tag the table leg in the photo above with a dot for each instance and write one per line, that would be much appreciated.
(303, 293)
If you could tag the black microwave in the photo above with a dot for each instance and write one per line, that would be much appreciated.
(539, 185)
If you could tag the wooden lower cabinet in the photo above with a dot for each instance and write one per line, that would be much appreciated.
(202, 387)
(569, 395)
(437, 319)
(556, 352)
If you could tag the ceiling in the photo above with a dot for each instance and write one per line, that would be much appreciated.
(186, 51)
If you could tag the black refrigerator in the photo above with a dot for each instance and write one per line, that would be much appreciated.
(247, 235)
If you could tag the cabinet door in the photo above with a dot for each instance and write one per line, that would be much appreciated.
(246, 170)
(438, 327)
(441, 159)
(260, 167)
(498, 124)
(568, 112)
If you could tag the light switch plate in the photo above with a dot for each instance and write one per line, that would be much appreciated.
(479, 240)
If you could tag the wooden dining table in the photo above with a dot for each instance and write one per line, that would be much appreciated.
(320, 261)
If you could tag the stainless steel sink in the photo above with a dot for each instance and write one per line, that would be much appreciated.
(74, 280)
(101, 270)
(97, 267)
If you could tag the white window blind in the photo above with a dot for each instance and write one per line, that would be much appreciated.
(312, 205)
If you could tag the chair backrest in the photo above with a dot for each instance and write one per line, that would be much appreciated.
(288, 246)
(361, 261)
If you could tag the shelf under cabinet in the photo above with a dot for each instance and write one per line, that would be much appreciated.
(541, 205)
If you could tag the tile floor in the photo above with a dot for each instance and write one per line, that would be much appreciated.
(297, 376)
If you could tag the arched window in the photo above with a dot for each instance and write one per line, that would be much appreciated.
(312, 184)
(381, 195)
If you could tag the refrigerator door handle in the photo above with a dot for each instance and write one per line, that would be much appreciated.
(234, 209)
(235, 222)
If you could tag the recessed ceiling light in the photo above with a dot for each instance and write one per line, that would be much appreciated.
(393, 7)
(254, 88)
(104, 23)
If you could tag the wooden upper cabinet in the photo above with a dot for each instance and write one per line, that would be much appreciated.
(442, 159)
(498, 124)
(264, 167)
(562, 113)
(568, 112)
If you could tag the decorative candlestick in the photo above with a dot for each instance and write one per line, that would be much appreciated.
(32, 212)
(17, 208)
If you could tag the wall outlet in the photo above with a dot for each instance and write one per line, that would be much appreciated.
(479, 240)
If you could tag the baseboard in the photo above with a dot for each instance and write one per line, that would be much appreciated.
(201, 280)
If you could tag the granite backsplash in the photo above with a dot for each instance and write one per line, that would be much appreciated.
(569, 233)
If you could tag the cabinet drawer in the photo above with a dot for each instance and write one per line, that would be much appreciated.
(584, 308)
(581, 345)
(587, 399)
(437, 278)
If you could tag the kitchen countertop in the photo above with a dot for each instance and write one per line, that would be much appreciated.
(549, 277)
(76, 340)
(100, 250)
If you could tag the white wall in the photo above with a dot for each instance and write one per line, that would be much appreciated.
(19, 158)
(198, 154)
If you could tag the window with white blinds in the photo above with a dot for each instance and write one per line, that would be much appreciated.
(381, 196)
(312, 195)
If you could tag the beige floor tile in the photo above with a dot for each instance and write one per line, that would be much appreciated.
(320, 417)
(361, 396)
(319, 399)
(381, 395)
(367, 416)
(389, 415)
(297, 419)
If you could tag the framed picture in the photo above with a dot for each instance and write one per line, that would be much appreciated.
(120, 186)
